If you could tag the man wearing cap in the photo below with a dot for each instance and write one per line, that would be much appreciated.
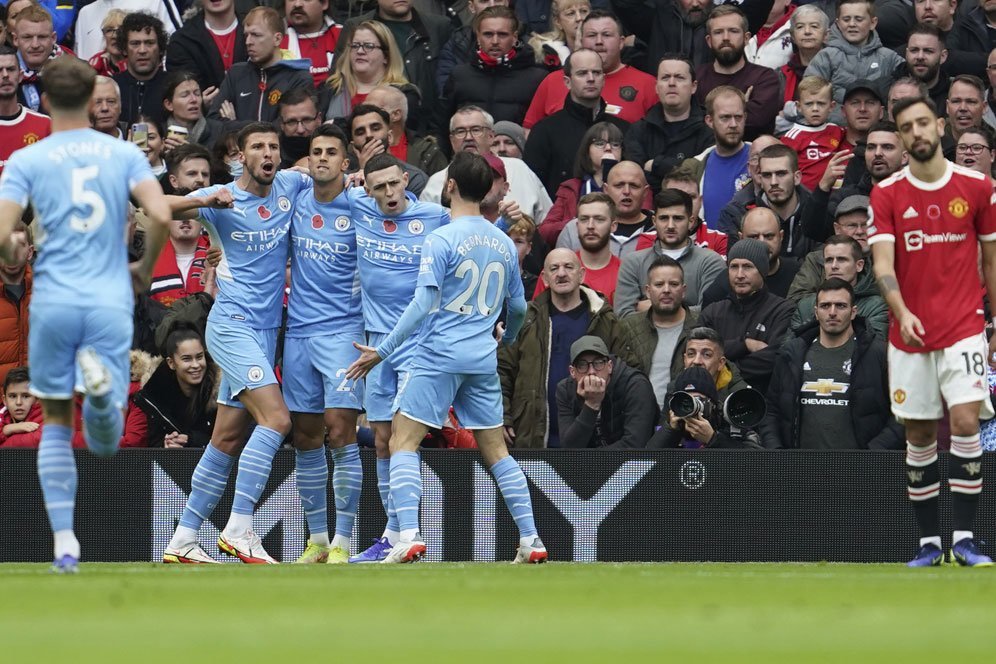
(852, 221)
(829, 388)
(604, 404)
(552, 146)
(699, 431)
(509, 140)
(752, 322)
(863, 106)
(843, 259)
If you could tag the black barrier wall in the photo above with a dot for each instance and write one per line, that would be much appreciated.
(610, 506)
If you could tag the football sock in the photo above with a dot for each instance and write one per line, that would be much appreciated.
(923, 486)
(959, 535)
(341, 542)
(254, 469)
(384, 487)
(58, 479)
(347, 481)
(312, 469)
(206, 486)
(514, 489)
(965, 480)
(66, 544)
(103, 424)
(406, 488)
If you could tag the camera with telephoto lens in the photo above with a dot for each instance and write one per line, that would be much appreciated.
(686, 405)
(743, 409)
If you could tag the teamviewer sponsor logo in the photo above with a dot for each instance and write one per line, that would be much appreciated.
(915, 240)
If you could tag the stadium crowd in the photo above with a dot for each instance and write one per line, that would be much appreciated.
(687, 186)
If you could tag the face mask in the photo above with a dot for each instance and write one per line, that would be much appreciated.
(295, 146)
(235, 168)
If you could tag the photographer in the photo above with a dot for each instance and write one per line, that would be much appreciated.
(603, 404)
(704, 429)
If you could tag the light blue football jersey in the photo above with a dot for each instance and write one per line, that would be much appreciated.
(475, 267)
(253, 237)
(325, 287)
(79, 183)
(390, 251)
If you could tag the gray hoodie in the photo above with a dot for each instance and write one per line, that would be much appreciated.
(701, 267)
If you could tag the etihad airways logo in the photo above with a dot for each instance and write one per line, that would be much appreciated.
(915, 240)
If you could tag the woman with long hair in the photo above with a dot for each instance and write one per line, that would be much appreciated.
(552, 48)
(179, 398)
(371, 58)
(183, 108)
(152, 146)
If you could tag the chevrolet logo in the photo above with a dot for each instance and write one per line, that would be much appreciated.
(824, 387)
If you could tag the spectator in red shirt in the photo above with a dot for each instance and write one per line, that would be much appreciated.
(311, 34)
(111, 60)
(19, 125)
(21, 417)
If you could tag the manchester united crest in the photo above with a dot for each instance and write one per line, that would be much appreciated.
(958, 207)
(30, 138)
(274, 98)
(899, 396)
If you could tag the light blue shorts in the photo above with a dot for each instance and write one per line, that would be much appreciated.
(382, 381)
(57, 332)
(245, 356)
(425, 395)
(315, 373)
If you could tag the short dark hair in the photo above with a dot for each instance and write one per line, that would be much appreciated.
(596, 14)
(583, 166)
(472, 174)
(254, 128)
(568, 67)
(840, 239)
(969, 79)
(7, 49)
(884, 125)
(985, 132)
(381, 161)
(68, 83)
(295, 96)
(16, 375)
(181, 153)
(172, 82)
(926, 29)
(678, 57)
(908, 102)
(330, 130)
(703, 333)
(367, 109)
(140, 22)
(598, 197)
(671, 198)
(665, 261)
(777, 151)
(835, 283)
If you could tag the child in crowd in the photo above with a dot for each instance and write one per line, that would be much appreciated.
(21, 417)
(814, 139)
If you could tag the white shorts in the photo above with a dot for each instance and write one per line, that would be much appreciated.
(918, 381)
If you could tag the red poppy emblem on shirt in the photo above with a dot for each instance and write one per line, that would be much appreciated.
(317, 222)
(390, 226)
(263, 213)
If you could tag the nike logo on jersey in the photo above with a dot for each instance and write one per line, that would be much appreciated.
(910, 213)
(244, 94)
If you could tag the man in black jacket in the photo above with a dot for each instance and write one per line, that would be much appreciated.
(552, 147)
(142, 39)
(673, 129)
(604, 403)
(194, 47)
(830, 387)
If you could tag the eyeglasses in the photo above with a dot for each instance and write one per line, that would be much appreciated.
(600, 144)
(583, 365)
(854, 225)
(298, 123)
(974, 148)
(365, 46)
(461, 132)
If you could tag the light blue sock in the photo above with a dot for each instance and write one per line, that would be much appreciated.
(103, 424)
(312, 482)
(406, 488)
(514, 489)
(206, 486)
(57, 475)
(254, 468)
(384, 487)
(347, 482)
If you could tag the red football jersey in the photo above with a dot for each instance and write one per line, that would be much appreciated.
(602, 280)
(936, 228)
(629, 92)
(26, 128)
(319, 48)
(815, 146)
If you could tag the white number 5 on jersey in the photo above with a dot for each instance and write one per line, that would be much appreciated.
(85, 197)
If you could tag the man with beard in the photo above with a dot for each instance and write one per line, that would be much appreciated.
(786, 197)
(762, 224)
(727, 35)
(673, 221)
(943, 14)
(311, 35)
(298, 113)
(142, 39)
(21, 126)
(966, 104)
(925, 55)
(421, 152)
(927, 221)
(552, 147)
(975, 149)
(370, 135)
(596, 223)
(649, 341)
(105, 107)
(749, 195)
(723, 167)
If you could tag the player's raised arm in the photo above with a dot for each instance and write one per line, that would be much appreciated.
(186, 207)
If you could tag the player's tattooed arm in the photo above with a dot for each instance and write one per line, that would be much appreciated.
(887, 283)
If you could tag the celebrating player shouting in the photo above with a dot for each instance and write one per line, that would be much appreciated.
(468, 270)
(926, 224)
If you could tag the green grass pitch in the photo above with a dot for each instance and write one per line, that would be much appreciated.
(476, 612)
